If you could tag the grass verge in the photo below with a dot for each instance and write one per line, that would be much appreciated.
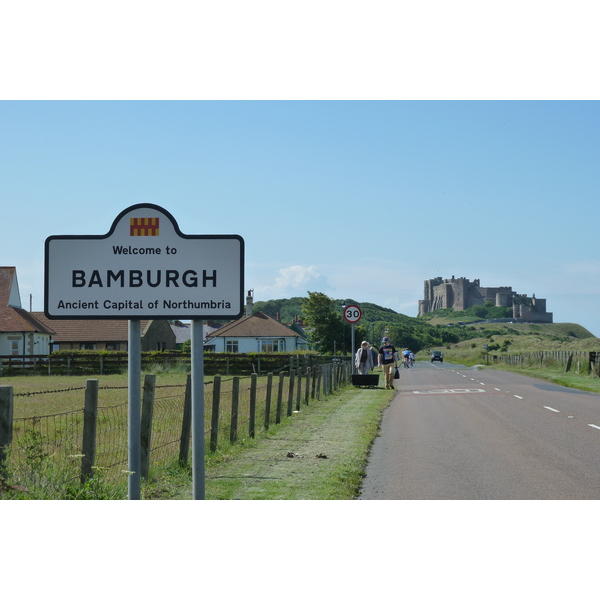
(320, 454)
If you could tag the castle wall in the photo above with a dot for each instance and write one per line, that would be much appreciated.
(460, 294)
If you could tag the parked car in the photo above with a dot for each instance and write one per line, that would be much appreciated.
(437, 355)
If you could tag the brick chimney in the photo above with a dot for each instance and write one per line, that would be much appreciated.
(249, 303)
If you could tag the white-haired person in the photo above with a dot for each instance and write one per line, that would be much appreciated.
(363, 359)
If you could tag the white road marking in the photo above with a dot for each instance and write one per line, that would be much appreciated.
(497, 389)
(592, 425)
(519, 397)
(552, 409)
(475, 391)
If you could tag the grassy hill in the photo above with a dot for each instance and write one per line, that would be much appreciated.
(441, 329)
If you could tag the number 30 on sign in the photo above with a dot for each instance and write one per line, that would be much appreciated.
(352, 313)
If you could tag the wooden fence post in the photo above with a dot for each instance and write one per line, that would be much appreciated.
(214, 421)
(252, 420)
(235, 403)
(268, 400)
(290, 406)
(279, 398)
(307, 387)
(299, 389)
(146, 423)
(6, 424)
(186, 425)
(319, 379)
(90, 418)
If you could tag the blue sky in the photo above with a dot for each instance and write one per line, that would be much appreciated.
(357, 199)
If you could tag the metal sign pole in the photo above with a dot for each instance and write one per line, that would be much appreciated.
(198, 483)
(352, 356)
(134, 374)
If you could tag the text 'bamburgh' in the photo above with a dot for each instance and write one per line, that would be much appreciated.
(137, 279)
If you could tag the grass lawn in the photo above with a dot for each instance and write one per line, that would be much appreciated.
(320, 454)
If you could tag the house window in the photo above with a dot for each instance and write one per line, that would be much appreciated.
(232, 346)
(271, 345)
(113, 346)
(14, 348)
(87, 346)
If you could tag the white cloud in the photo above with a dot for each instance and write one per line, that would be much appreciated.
(296, 280)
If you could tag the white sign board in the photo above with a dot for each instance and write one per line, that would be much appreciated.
(144, 268)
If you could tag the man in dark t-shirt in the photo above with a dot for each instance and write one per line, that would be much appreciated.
(388, 360)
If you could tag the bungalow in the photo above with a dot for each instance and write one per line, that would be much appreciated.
(21, 334)
(183, 332)
(255, 333)
(106, 334)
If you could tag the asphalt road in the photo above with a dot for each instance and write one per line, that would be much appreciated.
(454, 432)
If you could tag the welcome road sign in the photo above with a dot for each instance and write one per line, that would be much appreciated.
(144, 268)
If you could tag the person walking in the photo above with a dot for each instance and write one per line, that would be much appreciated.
(388, 360)
(373, 352)
(363, 360)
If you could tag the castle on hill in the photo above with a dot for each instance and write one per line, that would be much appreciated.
(460, 294)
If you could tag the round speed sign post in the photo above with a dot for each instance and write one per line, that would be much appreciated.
(353, 315)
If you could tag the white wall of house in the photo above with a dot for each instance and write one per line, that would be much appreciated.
(41, 344)
(15, 295)
(13, 344)
(243, 345)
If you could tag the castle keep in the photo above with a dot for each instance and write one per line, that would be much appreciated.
(460, 294)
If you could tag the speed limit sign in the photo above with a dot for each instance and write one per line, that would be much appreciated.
(352, 313)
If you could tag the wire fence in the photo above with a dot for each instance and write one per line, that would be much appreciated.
(235, 408)
(580, 361)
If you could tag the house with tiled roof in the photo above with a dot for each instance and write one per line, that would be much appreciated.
(183, 332)
(106, 334)
(255, 332)
(21, 334)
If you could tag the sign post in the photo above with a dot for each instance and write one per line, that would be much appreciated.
(146, 268)
(353, 314)
(198, 482)
(134, 425)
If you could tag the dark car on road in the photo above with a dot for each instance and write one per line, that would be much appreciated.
(437, 355)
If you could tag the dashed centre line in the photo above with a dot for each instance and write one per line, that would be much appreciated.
(471, 391)
(446, 391)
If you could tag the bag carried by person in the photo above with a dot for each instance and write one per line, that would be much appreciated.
(396, 373)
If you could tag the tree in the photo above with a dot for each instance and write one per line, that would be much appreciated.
(323, 322)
